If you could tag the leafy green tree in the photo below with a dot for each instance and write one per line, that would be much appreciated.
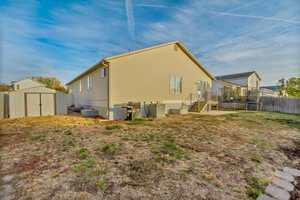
(51, 82)
(290, 87)
(4, 87)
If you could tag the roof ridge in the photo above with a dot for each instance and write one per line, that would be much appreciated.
(183, 48)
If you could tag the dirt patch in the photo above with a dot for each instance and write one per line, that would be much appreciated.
(180, 156)
(292, 152)
(30, 163)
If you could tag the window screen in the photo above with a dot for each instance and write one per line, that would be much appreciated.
(175, 84)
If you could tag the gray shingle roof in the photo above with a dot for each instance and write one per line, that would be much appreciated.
(232, 76)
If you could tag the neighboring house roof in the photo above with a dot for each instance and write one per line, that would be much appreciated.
(239, 75)
(273, 88)
(228, 82)
(104, 61)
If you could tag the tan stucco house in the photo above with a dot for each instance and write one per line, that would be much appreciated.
(166, 73)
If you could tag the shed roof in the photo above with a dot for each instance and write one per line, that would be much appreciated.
(238, 75)
(104, 61)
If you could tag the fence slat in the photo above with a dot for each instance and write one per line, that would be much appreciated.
(280, 104)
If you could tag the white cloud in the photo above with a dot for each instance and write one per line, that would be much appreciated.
(264, 44)
(75, 38)
(78, 35)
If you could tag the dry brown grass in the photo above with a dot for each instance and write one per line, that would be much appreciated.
(178, 157)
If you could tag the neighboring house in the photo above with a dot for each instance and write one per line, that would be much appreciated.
(270, 91)
(26, 83)
(166, 73)
(251, 80)
(219, 86)
(246, 82)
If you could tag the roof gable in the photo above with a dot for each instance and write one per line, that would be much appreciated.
(36, 83)
(238, 75)
(178, 43)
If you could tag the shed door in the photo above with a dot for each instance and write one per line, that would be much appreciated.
(33, 104)
(48, 104)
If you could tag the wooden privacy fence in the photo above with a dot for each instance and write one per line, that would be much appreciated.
(280, 104)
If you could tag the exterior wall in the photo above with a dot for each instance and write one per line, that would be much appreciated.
(62, 102)
(97, 96)
(145, 77)
(27, 83)
(267, 92)
(217, 86)
(252, 81)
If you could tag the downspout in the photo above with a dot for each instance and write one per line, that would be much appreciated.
(106, 64)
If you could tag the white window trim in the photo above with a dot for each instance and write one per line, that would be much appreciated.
(80, 86)
(103, 72)
(89, 82)
(175, 85)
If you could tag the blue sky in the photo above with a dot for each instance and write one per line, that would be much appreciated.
(63, 38)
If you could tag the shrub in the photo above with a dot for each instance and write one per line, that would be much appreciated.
(170, 148)
(101, 184)
(84, 165)
(83, 153)
(67, 144)
(254, 186)
(135, 122)
(112, 127)
(67, 132)
(38, 138)
(139, 121)
(255, 159)
(109, 149)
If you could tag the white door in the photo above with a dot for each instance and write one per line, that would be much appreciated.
(48, 104)
(33, 107)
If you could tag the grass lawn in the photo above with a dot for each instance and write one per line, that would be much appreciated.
(179, 157)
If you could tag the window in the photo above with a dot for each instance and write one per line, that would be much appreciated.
(175, 85)
(80, 86)
(89, 82)
(103, 72)
(202, 86)
(18, 86)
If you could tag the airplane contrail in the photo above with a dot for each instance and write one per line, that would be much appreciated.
(257, 17)
(152, 5)
(130, 18)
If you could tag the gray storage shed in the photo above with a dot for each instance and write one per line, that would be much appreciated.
(37, 101)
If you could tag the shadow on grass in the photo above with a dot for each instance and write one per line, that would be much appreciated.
(292, 153)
